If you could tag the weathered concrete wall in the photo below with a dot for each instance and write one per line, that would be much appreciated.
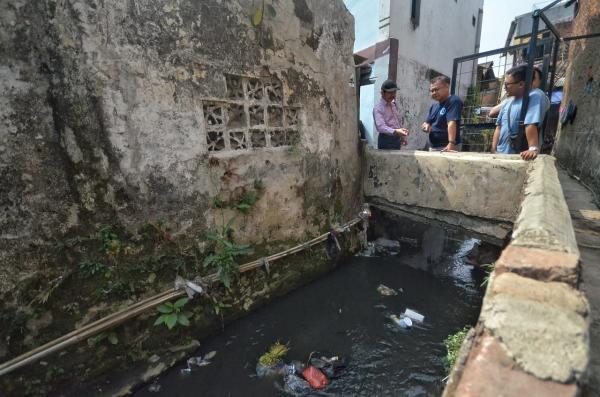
(577, 145)
(479, 186)
(124, 112)
(129, 129)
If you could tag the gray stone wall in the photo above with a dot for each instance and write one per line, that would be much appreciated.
(117, 112)
(578, 145)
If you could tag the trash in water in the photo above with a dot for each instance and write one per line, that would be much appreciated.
(413, 315)
(368, 251)
(198, 362)
(154, 387)
(384, 246)
(402, 321)
(330, 366)
(295, 384)
(385, 290)
(315, 377)
(410, 241)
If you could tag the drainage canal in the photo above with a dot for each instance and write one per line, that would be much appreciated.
(345, 315)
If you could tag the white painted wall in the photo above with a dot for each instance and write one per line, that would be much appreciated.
(445, 31)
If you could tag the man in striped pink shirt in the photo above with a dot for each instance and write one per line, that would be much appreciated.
(388, 121)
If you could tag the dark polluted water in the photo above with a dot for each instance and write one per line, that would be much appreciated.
(343, 313)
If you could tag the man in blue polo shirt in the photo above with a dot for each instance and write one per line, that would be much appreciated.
(507, 126)
(443, 120)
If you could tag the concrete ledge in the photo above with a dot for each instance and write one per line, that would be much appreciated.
(544, 220)
(480, 185)
(531, 340)
(491, 372)
(539, 264)
(543, 326)
(559, 295)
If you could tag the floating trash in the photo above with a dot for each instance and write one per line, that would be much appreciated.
(315, 377)
(384, 246)
(401, 321)
(199, 361)
(418, 317)
(154, 387)
(330, 366)
(368, 251)
(296, 385)
(385, 290)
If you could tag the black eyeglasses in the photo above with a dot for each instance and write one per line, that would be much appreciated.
(516, 82)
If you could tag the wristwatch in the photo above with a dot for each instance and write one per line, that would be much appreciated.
(452, 142)
(533, 149)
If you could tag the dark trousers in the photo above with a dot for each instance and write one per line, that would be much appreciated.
(390, 142)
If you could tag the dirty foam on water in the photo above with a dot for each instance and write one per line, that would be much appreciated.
(344, 314)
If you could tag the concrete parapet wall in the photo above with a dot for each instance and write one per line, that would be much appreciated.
(532, 337)
(479, 185)
(544, 220)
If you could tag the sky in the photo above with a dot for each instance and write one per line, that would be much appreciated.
(497, 16)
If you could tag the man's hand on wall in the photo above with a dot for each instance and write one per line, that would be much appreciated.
(529, 154)
(450, 147)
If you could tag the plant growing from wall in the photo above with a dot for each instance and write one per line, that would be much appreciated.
(92, 268)
(172, 314)
(262, 10)
(453, 343)
(225, 251)
(109, 241)
(489, 268)
(246, 202)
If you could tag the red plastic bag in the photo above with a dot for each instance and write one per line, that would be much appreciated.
(315, 377)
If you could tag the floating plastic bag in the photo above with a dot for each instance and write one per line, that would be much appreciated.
(385, 290)
(402, 322)
(330, 366)
(384, 246)
(315, 377)
(295, 384)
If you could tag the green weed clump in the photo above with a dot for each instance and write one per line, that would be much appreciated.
(274, 355)
(453, 343)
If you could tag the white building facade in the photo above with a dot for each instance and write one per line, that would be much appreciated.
(411, 41)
